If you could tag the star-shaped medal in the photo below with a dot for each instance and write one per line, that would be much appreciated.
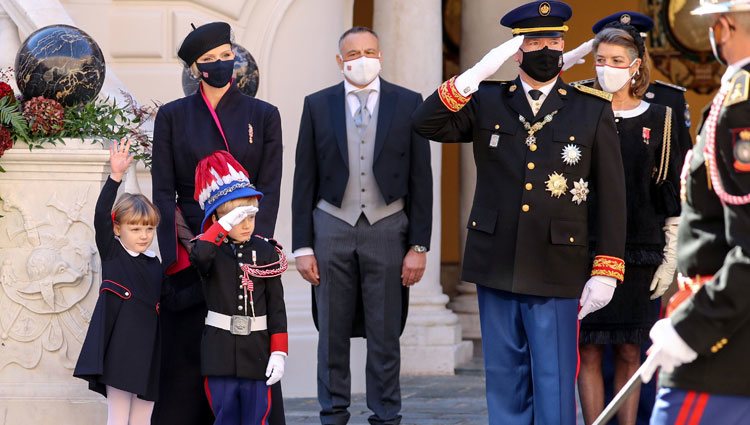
(557, 184)
(571, 154)
(580, 191)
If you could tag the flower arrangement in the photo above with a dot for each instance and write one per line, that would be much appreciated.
(38, 121)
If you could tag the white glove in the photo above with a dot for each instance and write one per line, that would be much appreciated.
(669, 349)
(235, 217)
(275, 368)
(596, 294)
(468, 82)
(665, 272)
(576, 55)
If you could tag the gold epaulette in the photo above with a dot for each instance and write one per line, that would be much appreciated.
(739, 92)
(670, 85)
(587, 82)
(594, 92)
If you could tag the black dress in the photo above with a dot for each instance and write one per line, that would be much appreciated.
(122, 348)
(629, 316)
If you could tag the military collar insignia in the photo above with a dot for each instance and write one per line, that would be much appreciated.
(580, 191)
(562, 91)
(594, 92)
(557, 184)
(739, 88)
(571, 154)
(512, 88)
(625, 19)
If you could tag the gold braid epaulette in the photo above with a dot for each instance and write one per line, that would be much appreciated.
(594, 92)
(451, 97)
(605, 265)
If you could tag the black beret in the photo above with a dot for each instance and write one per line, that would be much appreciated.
(203, 39)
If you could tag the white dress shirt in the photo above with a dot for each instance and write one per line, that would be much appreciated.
(545, 89)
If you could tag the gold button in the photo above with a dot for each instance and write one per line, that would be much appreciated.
(530, 165)
(724, 341)
(572, 239)
(474, 223)
(525, 208)
(572, 138)
(529, 186)
(497, 126)
(714, 349)
(532, 147)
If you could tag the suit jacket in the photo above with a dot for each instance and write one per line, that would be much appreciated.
(714, 239)
(401, 166)
(523, 237)
(185, 132)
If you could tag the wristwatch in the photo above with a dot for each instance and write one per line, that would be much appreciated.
(419, 248)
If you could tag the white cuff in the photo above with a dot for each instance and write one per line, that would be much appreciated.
(281, 353)
(466, 83)
(301, 252)
(607, 280)
(672, 221)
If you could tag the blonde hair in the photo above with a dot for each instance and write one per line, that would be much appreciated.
(620, 37)
(234, 203)
(135, 209)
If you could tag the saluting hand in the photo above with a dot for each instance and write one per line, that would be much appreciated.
(468, 82)
(412, 269)
(576, 55)
(119, 158)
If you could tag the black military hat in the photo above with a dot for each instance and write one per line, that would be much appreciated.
(640, 21)
(203, 39)
(538, 19)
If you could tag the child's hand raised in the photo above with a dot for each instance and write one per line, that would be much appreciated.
(235, 217)
(119, 158)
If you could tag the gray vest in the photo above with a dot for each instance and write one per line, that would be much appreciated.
(362, 194)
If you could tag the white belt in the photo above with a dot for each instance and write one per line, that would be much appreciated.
(237, 325)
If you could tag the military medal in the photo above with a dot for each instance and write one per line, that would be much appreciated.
(571, 154)
(646, 133)
(557, 184)
(532, 129)
(580, 191)
(250, 133)
(494, 139)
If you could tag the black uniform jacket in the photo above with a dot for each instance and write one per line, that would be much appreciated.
(123, 343)
(714, 239)
(401, 166)
(224, 354)
(521, 238)
(185, 132)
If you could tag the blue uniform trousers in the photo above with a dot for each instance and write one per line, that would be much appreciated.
(237, 401)
(675, 406)
(530, 347)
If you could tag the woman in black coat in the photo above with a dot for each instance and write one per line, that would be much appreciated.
(217, 117)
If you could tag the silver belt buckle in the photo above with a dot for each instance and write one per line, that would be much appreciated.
(240, 325)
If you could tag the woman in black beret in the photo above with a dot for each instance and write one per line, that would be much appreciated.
(217, 117)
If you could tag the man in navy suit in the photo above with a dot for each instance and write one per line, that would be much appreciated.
(362, 218)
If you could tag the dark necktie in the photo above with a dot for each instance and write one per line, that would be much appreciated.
(535, 94)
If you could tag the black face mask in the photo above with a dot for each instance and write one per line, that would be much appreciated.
(218, 73)
(542, 65)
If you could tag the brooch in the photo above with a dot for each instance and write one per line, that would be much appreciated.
(557, 184)
(571, 154)
(580, 191)
(250, 133)
(646, 135)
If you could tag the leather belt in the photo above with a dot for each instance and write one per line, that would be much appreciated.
(236, 325)
(688, 286)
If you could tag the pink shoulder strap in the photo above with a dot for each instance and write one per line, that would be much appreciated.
(215, 117)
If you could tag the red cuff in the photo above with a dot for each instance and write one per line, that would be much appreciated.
(280, 342)
(451, 97)
(605, 265)
(214, 234)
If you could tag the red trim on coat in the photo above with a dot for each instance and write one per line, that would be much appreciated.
(700, 406)
(280, 342)
(208, 394)
(268, 408)
(687, 403)
(123, 296)
(214, 234)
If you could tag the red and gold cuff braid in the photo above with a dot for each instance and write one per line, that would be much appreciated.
(605, 265)
(451, 97)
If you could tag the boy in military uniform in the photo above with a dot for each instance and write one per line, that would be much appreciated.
(543, 150)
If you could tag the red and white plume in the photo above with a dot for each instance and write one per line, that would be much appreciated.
(215, 171)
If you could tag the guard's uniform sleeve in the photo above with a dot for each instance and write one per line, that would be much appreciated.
(269, 174)
(203, 254)
(609, 176)
(105, 235)
(446, 116)
(276, 311)
(419, 200)
(305, 187)
(722, 305)
(163, 184)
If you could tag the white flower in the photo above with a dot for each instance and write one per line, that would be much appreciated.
(580, 191)
(571, 154)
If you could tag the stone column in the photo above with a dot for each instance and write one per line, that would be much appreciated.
(411, 40)
(481, 31)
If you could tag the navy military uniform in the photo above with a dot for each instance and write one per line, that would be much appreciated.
(527, 245)
(122, 348)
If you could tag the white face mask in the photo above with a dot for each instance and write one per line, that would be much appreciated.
(362, 71)
(612, 78)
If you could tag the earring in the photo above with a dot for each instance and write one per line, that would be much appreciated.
(632, 81)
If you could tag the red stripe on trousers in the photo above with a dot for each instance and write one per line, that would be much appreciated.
(700, 406)
(268, 408)
(208, 393)
(687, 403)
